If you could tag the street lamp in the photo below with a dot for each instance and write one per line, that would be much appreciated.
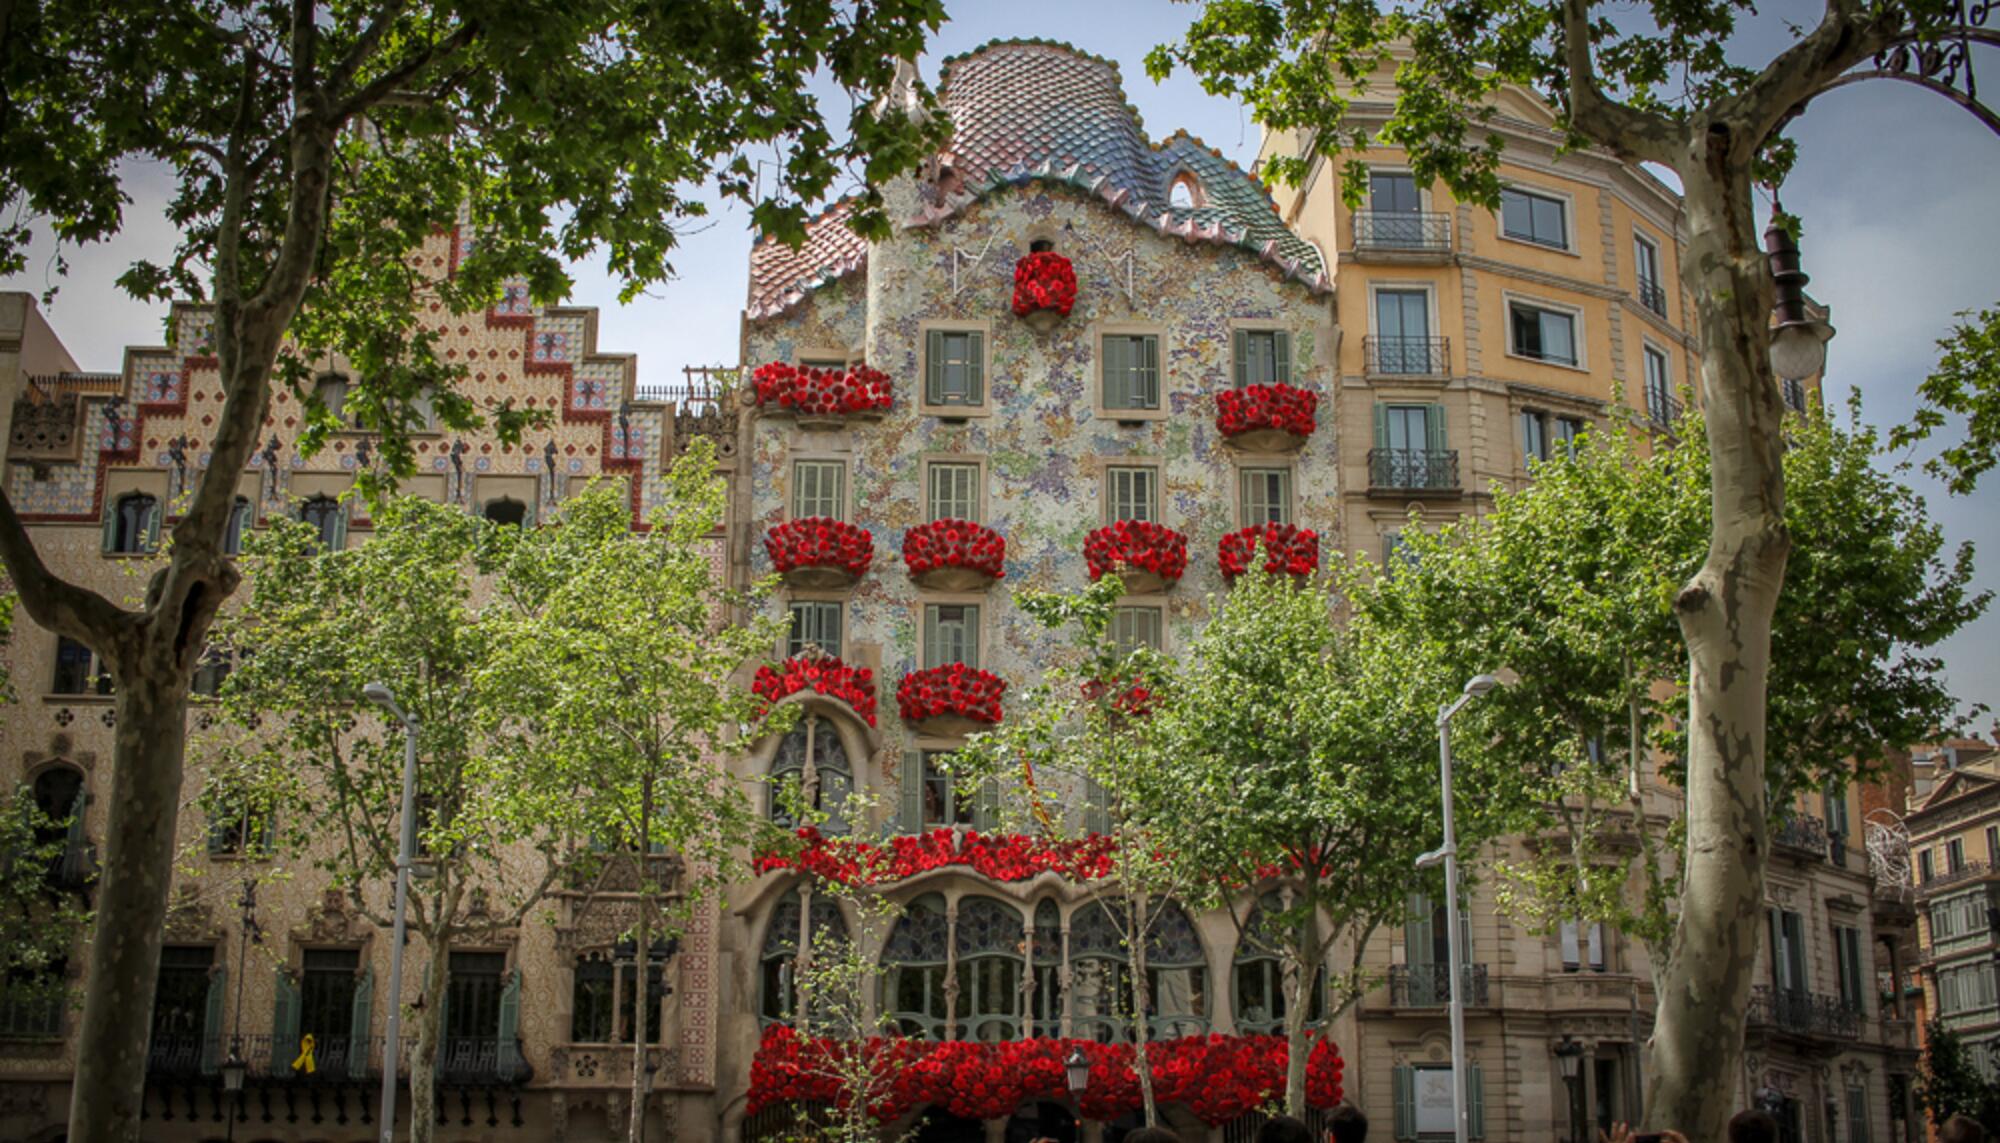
(235, 1067)
(1448, 854)
(1569, 1057)
(1076, 1069)
(405, 847)
(1798, 340)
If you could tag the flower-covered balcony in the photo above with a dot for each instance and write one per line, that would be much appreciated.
(820, 553)
(823, 675)
(954, 555)
(1275, 418)
(823, 397)
(1044, 289)
(949, 700)
(1288, 550)
(1149, 557)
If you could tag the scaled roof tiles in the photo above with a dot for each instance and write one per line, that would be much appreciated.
(1028, 111)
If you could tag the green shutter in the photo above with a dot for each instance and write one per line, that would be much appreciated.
(972, 636)
(1381, 425)
(1404, 1084)
(986, 807)
(110, 541)
(934, 367)
(1434, 427)
(73, 834)
(357, 1024)
(1241, 355)
(284, 1023)
(931, 637)
(1418, 939)
(1096, 810)
(1149, 372)
(211, 1021)
(218, 832)
(910, 789)
(1475, 1102)
(153, 514)
(975, 367)
(510, 1024)
(1281, 354)
(1117, 372)
(339, 528)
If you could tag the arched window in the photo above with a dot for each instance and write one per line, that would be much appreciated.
(914, 969)
(132, 527)
(1260, 976)
(505, 510)
(1176, 975)
(778, 994)
(989, 943)
(61, 798)
(812, 749)
(328, 517)
(1100, 976)
(1185, 193)
(240, 518)
(1045, 1003)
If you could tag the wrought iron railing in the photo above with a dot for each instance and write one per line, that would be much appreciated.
(1803, 1013)
(1967, 872)
(1662, 409)
(182, 1055)
(1402, 230)
(32, 1012)
(481, 1060)
(1414, 469)
(1407, 356)
(1802, 831)
(334, 1058)
(1429, 985)
(1653, 296)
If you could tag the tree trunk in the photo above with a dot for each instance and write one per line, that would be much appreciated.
(109, 1090)
(1297, 1006)
(430, 1031)
(1141, 1034)
(1725, 614)
(643, 956)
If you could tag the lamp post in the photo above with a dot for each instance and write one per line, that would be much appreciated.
(235, 1067)
(405, 847)
(1569, 1057)
(1798, 340)
(1448, 854)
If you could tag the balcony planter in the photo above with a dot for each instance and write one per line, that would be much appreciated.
(950, 700)
(1128, 696)
(822, 675)
(819, 553)
(954, 555)
(1044, 289)
(823, 398)
(1288, 550)
(1148, 557)
(1273, 418)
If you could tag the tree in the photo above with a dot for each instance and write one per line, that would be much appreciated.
(1660, 85)
(1966, 383)
(622, 648)
(43, 908)
(1949, 1083)
(401, 610)
(313, 146)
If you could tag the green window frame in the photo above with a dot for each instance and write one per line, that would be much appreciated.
(814, 622)
(1265, 496)
(1135, 627)
(1131, 369)
(1263, 357)
(952, 491)
(819, 489)
(954, 367)
(1133, 493)
(951, 634)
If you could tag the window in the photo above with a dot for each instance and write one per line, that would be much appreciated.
(33, 1000)
(425, 407)
(472, 1003)
(1582, 945)
(1545, 436)
(1966, 989)
(331, 393)
(1993, 846)
(1263, 357)
(1834, 802)
(1542, 334)
(628, 996)
(1788, 951)
(132, 527)
(1924, 868)
(1410, 449)
(1646, 269)
(954, 492)
(816, 624)
(328, 517)
(505, 510)
(913, 959)
(62, 803)
(1794, 392)
(1857, 1114)
(818, 489)
(187, 1010)
(211, 672)
(944, 804)
(951, 634)
(1954, 855)
(812, 756)
(592, 1000)
(1260, 978)
(1134, 493)
(1847, 958)
(1403, 333)
(836, 364)
(989, 940)
(240, 823)
(1659, 390)
(1266, 496)
(78, 670)
(1135, 627)
(1534, 437)
(1186, 193)
(1131, 364)
(1422, 1097)
(1393, 192)
(778, 960)
(1045, 951)
(1397, 552)
(1537, 218)
(241, 517)
(954, 367)
(330, 993)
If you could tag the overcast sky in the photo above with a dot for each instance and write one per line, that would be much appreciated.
(1896, 188)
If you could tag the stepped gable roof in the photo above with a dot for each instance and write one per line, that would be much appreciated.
(1038, 111)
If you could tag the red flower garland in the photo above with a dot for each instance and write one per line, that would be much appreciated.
(1138, 544)
(821, 674)
(820, 542)
(955, 544)
(954, 688)
(1278, 406)
(1133, 696)
(1217, 1078)
(1044, 281)
(823, 392)
(1011, 857)
(1288, 550)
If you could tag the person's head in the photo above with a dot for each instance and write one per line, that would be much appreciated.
(1152, 1135)
(1283, 1129)
(1961, 1129)
(1347, 1124)
(1753, 1127)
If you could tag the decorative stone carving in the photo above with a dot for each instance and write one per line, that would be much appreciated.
(46, 429)
(334, 921)
(191, 920)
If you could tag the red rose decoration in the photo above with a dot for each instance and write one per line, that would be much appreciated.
(998, 857)
(1128, 696)
(1275, 411)
(821, 674)
(820, 542)
(1136, 545)
(955, 690)
(1044, 281)
(1287, 550)
(823, 392)
(943, 546)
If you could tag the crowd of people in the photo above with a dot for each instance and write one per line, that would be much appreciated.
(1348, 1125)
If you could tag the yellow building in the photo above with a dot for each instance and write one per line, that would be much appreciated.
(1955, 850)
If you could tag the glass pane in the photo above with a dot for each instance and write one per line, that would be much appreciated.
(1549, 228)
(1516, 214)
(1558, 337)
(1133, 627)
(1393, 192)
(1409, 427)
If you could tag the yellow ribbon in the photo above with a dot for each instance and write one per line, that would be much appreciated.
(305, 1061)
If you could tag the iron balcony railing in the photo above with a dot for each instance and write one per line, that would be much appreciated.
(1429, 985)
(1662, 409)
(1413, 230)
(182, 1055)
(32, 1012)
(1407, 356)
(1653, 296)
(1413, 469)
(1803, 1013)
(1802, 831)
(481, 1060)
(335, 1058)
(1967, 872)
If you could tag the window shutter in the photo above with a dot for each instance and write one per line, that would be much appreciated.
(357, 1024)
(267, 831)
(934, 367)
(1571, 952)
(975, 368)
(931, 637)
(972, 636)
(1281, 354)
(1404, 1084)
(218, 833)
(211, 1020)
(1241, 355)
(1418, 939)
(73, 835)
(1596, 945)
(1096, 813)
(1381, 425)
(284, 1022)
(339, 528)
(1475, 1102)
(1777, 950)
(910, 789)
(509, 1054)
(1434, 428)
(986, 807)
(1149, 372)
(1117, 372)
(110, 526)
(153, 514)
